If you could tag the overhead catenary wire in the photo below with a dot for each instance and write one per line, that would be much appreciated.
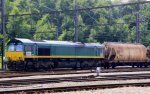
(79, 9)
(52, 11)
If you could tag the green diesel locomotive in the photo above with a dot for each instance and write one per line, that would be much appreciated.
(26, 54)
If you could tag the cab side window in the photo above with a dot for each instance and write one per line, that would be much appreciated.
(19, 47)
(11, 47)
(28, 50)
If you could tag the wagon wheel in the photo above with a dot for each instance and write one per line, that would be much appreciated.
(113, 65)
(132, 65)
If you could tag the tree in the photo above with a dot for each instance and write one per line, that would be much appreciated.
(98, 25)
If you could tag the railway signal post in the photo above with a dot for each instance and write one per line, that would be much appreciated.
(137, 28)
(76, 23)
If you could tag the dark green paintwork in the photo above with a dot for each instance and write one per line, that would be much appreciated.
(73, 49)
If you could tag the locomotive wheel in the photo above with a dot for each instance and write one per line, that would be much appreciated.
(42, 68)
(77, 65)
(84, 65)
(55, 64)
(45, 66)
(51, 66)
(36, 66)
(39, 66)
(20, 66)
(29, 66)
(11, 66)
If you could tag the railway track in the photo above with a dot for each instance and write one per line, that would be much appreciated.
(72, 79)
(23, 82)
(74, 88)
(10, 74)
(16, 82)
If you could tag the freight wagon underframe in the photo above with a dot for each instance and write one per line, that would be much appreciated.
(123, 63)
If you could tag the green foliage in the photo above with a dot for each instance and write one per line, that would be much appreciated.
(50, 25)
(0, 36)
(0, 43)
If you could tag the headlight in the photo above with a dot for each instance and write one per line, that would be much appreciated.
(5, 59)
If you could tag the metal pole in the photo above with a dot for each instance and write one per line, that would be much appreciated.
(3, 33)
(137, 28)
(76, 23)
(98, 71)
(57, 34)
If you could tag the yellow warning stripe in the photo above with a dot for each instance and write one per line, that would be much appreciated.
(64, 57)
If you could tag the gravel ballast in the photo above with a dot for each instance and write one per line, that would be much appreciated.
(123, 90)
(70, 84)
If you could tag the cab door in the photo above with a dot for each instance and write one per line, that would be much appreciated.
(30, 50)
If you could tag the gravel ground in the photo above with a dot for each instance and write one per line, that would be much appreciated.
(123, 90)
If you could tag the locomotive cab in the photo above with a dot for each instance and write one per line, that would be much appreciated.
(15, 51)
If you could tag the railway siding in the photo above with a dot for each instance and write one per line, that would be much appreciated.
(72, 75)
(73, 81)
(68, 80)
(73, 85)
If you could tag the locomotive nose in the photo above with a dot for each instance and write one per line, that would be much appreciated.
(15, 56)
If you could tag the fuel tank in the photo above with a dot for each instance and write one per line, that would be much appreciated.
(125, 52)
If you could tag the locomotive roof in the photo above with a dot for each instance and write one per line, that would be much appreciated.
(121, 43)
(53, 42)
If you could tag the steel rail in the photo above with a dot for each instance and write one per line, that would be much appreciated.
(11, 74)
(73, 79)
(75, 88)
